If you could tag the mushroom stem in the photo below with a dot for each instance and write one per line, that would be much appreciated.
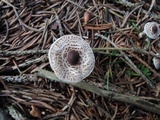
(154, 29)
(141, 34)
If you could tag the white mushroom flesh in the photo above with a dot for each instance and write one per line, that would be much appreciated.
(152, 30)
(59, 63)
(156, 62)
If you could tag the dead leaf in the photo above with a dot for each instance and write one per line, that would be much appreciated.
(98, 26)
(87, 16)
(35, 112)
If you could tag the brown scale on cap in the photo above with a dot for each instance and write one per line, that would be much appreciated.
(73, 57)
(154, 29)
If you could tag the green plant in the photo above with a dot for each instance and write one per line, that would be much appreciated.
(142, 68)
(135, 27)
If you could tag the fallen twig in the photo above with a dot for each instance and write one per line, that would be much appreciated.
(27, 52)
(19, 78)
(134, 100)
(37, 52)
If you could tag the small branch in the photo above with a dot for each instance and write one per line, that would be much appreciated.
(20, 79)
(44, 35)
(142, 51)
(25, 63)
(27, 52)
(153, 3)
(59, 23)
(134, 100)
(36, 52)
(126, 3)
(30, 62)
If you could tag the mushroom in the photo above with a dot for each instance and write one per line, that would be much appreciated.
(151, 29)
(71, 58)
(156, 62)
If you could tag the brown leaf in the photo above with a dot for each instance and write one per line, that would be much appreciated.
(87, 16)
(98, 27)
(35, 112)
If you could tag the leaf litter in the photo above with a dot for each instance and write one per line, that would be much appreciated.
(123, 60)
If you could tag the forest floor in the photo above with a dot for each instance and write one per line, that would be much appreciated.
(124, 84)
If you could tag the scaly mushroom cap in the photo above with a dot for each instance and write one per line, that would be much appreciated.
(152, 30)
(71, 58)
